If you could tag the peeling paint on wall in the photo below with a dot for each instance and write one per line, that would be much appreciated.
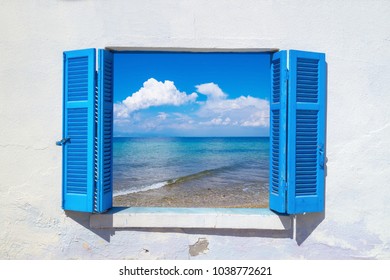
(200, 247)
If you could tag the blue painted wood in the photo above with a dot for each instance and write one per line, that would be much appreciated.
(105, 131)
(306, 132)
(278, 132)
(78, 127)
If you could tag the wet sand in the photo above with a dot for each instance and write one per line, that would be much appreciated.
(173, 196)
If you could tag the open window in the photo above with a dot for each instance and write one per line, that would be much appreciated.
(297, 131)
(191, 129)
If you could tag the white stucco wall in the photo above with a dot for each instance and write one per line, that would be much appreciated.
(355, 35)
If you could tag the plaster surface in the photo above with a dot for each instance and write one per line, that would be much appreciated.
(355, 36)
(216, 218)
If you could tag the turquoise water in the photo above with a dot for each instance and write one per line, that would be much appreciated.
(220, 163)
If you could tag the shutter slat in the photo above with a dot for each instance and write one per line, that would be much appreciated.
(306, 132)
(105, 127)
(278, 109)
(79, 83)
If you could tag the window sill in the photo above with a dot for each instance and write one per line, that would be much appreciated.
(219, 218)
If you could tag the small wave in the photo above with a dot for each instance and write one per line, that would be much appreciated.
(190, 177)
(142, 189)
(177, 181)
(199, 175)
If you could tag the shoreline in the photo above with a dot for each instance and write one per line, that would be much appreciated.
(170, 196)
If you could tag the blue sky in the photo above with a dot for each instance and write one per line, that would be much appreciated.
(191, 94)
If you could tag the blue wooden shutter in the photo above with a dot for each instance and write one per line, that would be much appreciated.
(78, 130)
(278, 133)
(306, 132)
(104, 137)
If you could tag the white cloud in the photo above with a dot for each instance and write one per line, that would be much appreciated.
(226, 121)
(212, 91)
(120, 110)
(217, 121)
(216, 115)
(244, 111)
(260, 118)
(152, 93)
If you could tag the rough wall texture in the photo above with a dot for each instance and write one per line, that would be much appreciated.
(355, 35)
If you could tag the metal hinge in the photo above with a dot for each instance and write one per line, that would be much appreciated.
(321, 155)
(62, 141)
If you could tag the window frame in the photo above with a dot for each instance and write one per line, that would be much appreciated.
(128, 217)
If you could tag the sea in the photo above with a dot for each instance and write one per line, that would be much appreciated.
(238, 165)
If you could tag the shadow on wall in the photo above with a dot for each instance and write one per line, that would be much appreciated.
(84, 220)
(303, 226)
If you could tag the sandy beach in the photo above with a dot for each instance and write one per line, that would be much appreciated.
(171, 196)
